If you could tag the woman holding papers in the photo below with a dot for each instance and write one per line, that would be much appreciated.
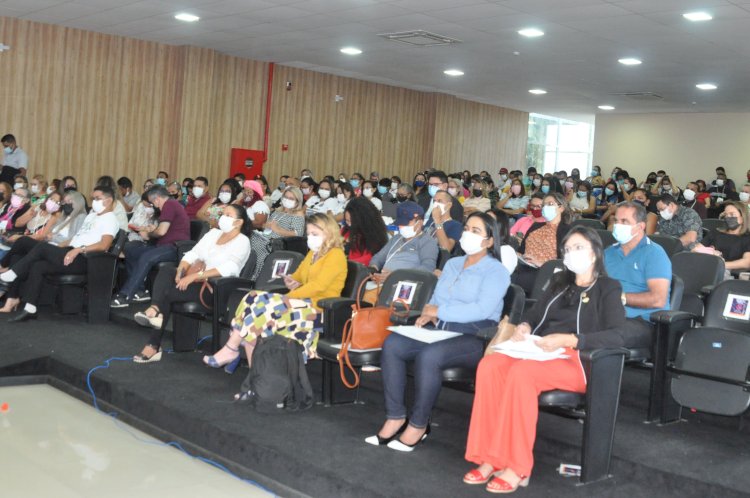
(468, 298)
(581, 309)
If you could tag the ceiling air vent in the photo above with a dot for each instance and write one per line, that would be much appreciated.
(642, 96)
(419, 38)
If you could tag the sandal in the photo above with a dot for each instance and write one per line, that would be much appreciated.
(141, 318)
(142, 358)
(476, 477)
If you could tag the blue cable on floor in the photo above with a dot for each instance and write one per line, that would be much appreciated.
(120, 425)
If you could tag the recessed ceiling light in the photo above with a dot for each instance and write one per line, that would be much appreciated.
(531, 32)
(706, 86)
(629, 61)
(607, 107)
(184, 16)
(453, 72)
(537, 91)
(697, 16)
(351, 51)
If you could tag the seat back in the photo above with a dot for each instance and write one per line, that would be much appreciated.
(696, 271)
(355, 274)
(277, 264)
(198, 228)
(671, 245)
(443, 256)
(676, 290)
(295, 244)
(118, 243)
(513, 303)
(711, 224)
(727, 306)
(712, 365)
(607, 238)
(414, 286)
(544, 276)
(249, 268)
(589, 222)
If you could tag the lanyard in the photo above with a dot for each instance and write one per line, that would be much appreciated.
(391, 252)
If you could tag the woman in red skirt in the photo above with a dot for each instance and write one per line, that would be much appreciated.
(581, 309)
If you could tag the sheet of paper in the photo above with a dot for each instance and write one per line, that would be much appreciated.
(423, 335)
(528, 350)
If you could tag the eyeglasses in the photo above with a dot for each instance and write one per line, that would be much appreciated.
(554, 204)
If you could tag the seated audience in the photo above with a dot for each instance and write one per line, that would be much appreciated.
(198, 197)
(581, 201)
(642, 197)
(252, 200)
(436, 181)
(678, 221)
(581, 309)
(533, 215)
(223, 252)
(38, 190)
(370, 192)
(128, 196)
(514, 204)
(25, 278)
(157, 245)
(363, 231)
(508, 256)
(643, 269)
(733, 242)
(327, 201)
(479, 200)
(468, 298)
(117, 207)
(442, 227)
(212, 211)
(20, 202)
(690, 200)
(296, 314)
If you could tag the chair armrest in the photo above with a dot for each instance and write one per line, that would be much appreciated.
(707, 289)
(487, 334)
(592, 355)
(274, 288)
(184, 246)
(408, 318)
(336, 303)
(668, 317)
(603, 369)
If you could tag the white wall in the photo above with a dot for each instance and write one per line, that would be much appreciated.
(686, 145)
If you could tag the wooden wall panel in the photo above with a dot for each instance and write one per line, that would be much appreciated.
(474, 136)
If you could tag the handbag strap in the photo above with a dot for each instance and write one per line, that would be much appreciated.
(343, 356)
(360, 290)
(206, 285)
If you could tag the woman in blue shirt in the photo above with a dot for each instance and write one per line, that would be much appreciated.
(468, 298)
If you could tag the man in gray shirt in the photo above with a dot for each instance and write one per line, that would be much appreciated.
(678, 221)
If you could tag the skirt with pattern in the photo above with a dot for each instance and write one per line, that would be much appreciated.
(262, 314)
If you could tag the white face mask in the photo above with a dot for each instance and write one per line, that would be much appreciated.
(225, 197)
(453, 191)
(306, 191)
(50, 190)
(578, 261)
(341, 198)
(471, 243)
(622, 233)
(443, 208)
(407, 231)
(394, 186)
(745, 196)
(226, 224)
(314, 242)
(666, 214)
(97, 205)
(197, 192)
(324, 193)
(367, 192)
(503, 177)
(288, 203)
(719, 183)
(537, 182)
(688, 194)
(35, 189)
(16, 186)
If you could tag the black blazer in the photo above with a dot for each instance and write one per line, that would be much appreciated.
(602, 316)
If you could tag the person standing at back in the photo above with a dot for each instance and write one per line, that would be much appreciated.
(15, 160)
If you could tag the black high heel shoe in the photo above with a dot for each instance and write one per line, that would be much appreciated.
(399, 445)
(378, 440)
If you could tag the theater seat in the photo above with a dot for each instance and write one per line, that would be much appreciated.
(671, 245)
(697, 271)
(588, 222)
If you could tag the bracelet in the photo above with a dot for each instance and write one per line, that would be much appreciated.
(438, 227)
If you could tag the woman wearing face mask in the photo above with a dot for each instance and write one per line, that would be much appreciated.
(309, 192)
(533, 215)
(744, 195)
(144, 218)
(38, 189)
(666, 186)
(344, 193)
(13, 210)
(582, 202)
(733, 242)
(649, 182)
(690, 199)
(370, 192)
(228, 194)
(468, 298)
(608, 200)
(515, 203)
(252, 201)
(581, 309)
(20, 181)
(536, 184)
(356, 182)
(38, 220)
(456, 190)
(296, 314)
(446, 231)
(541, 241)
(421, 196)
(328, 202)
(224, 251)
(478, 202)
(364, 232)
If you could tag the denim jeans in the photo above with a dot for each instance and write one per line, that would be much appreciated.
(429, 361)
(139, 259)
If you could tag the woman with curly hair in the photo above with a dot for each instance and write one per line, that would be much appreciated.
(364, 231)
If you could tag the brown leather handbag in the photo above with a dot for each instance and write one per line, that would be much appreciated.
(197, 267)
(366, 329)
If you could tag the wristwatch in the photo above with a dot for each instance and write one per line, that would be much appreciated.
(624, 299)
(200, 274)
(438, 226)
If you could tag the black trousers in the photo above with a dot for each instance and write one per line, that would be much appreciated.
(7, 174)
(165, 293)
(43, 259)
(18, 250)
(638, 333)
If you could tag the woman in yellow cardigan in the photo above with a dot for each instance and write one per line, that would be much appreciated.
(296, 314)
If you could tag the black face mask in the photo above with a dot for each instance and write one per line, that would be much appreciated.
(402, 198)
(2, 196)
(67, 209)
(732, 222)
(477, 192)
(69, 188)
(175, 196)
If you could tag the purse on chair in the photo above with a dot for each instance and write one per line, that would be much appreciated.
(197, 267)
(366, 329)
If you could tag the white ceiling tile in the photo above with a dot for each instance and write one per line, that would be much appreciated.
(478, 11)
(401, 23)
(329, 6)
(431, 5)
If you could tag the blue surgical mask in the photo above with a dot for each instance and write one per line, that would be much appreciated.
(8, 150)
(549, 212)
(161, 181)
(354, 183)
(432, 190)
(582, 193)
(419, 183)
(545, 189)
(608, 192)
(383, 190)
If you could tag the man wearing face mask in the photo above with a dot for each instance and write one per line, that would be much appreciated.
(437, 181)
(410, 248)
(198, 197)
(162, 178)
(643, 269)
(157, 245)
(129, 197)
(97, 233)
(689, 200)
(678, 221)
(503, 184)
(15, 160)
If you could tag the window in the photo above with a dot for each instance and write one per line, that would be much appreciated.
(559, 144)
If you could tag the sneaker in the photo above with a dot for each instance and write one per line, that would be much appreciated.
(119, 301)
(141, 296)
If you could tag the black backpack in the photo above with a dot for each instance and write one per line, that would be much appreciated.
(278, 379)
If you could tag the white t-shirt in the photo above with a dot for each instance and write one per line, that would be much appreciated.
(94, 228)
(121, 215)
(509, 257)
(228, 258)
(378, 203)
(17, 159)
(257, 208)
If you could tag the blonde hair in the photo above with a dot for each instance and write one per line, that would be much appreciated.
(328, 225)
(297, 193)
(740, 207)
